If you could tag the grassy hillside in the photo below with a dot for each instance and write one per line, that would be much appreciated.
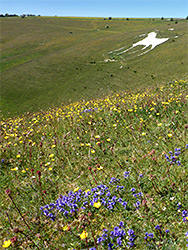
(50, 60)
(107, 173)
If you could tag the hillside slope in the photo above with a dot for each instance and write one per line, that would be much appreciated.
(49, 60)
(98, 174)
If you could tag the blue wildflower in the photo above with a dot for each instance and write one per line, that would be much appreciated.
(121, 224)
(119, 241)
(184, 215)
(126, 174)
(110, 246)
(151, 235)
(157, 227)
(148, 235)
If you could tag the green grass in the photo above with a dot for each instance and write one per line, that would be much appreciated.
(43, 64)
(117, 118)
(47, 154)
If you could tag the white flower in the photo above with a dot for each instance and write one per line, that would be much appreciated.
(172, 198)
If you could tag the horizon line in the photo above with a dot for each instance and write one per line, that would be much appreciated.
(39, 15)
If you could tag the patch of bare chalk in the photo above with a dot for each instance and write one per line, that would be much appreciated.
(150, 40)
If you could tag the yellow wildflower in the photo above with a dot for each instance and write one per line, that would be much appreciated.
(76, 189)
(65, 228)
(87, 191)
(14, 169)
(83, 235)
(97, 136)
(99, 168)
(6, 243)
(97, 204)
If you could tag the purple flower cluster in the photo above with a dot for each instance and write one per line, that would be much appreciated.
(173, 158)
(185, 215)
(116, 238)
(74, 201)
(126, 174)
(89, 110)
(179, 205)
(131, 238)
(113, 180)
(186, 234)
(158, 228)
(148, 236)
(137, 196)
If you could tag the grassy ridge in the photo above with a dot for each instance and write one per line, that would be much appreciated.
(124, 157)
(47, 61)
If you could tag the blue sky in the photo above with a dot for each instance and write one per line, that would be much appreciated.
(97, 8)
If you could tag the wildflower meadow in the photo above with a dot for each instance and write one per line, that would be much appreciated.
(107, 173)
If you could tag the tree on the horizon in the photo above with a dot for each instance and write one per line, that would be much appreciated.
(15, 15)
(8, 15)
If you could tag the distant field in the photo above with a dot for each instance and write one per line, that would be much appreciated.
(49, 60)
